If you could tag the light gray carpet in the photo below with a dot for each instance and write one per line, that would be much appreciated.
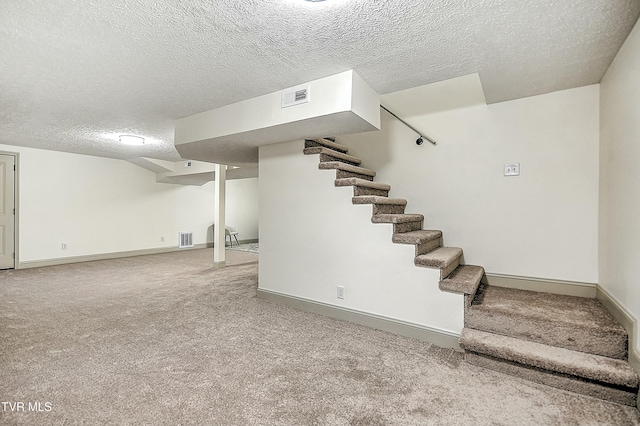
(168, 339)
(248, 247)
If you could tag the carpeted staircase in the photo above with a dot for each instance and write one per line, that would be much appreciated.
(568, 342)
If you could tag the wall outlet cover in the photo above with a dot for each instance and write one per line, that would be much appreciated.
(512, 169)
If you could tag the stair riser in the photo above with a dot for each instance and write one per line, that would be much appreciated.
(341, 174)
(387, 209)
(449, 269)
(325, 158)
(428, 246)
(468, 298)
(600, 342)
(362, 190)
(464, 280)
(624, 396)
(400, 228)
(444, 271)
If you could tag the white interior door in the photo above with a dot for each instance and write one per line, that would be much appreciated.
(7, 212)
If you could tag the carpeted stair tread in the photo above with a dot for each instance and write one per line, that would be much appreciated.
(465, 279)
(327, 143)
(333, 154)
(446, 259)
(425, 241)
(416, 237)
(551, 358)
(346, 167)
(439, 258)
(612, 393)
(570, 322)
(362, 182)
(397, 218)
(372, 199)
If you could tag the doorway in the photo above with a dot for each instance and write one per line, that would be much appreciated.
(7, 211)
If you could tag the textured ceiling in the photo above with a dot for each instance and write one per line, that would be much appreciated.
(75, 73)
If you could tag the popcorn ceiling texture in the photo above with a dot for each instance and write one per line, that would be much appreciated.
(74, 71)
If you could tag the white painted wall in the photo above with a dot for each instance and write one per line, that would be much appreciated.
(541, 224)
(620, 177)
(312, 238)
(98, 205)
(241, 209)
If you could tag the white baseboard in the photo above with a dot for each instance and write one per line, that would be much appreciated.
(569, 288)
(628, 321)
(101, 256)
(115, 255)
(437, 337)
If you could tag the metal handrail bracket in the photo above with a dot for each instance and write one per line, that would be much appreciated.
(419, 141)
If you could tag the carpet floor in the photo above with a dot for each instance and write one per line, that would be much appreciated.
(250, 247)
(169, 339)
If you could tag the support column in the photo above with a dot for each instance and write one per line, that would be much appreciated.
(220, 171)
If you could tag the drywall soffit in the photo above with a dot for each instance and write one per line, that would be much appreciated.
(242, 149)
(199, 173)
(196, 179)
(339, 104)
(152, 164)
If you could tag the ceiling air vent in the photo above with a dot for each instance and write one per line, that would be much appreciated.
(295, 96)
(186, 239)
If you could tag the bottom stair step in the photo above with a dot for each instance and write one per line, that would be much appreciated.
(577, 323)
(601, 377)
(556, 380)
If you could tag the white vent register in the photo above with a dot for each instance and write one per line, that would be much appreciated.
(295, 96)
(186, 239)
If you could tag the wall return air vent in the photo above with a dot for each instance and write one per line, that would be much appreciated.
(295, 96)
(186, 239)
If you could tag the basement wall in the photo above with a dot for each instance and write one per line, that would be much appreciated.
(541, 224)
(241, 207)
(100, 206)
(620, 179)
(313, 239)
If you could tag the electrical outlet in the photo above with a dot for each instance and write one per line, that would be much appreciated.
(340, 292)
(64, 246)
(162, 239)
(512, 169)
